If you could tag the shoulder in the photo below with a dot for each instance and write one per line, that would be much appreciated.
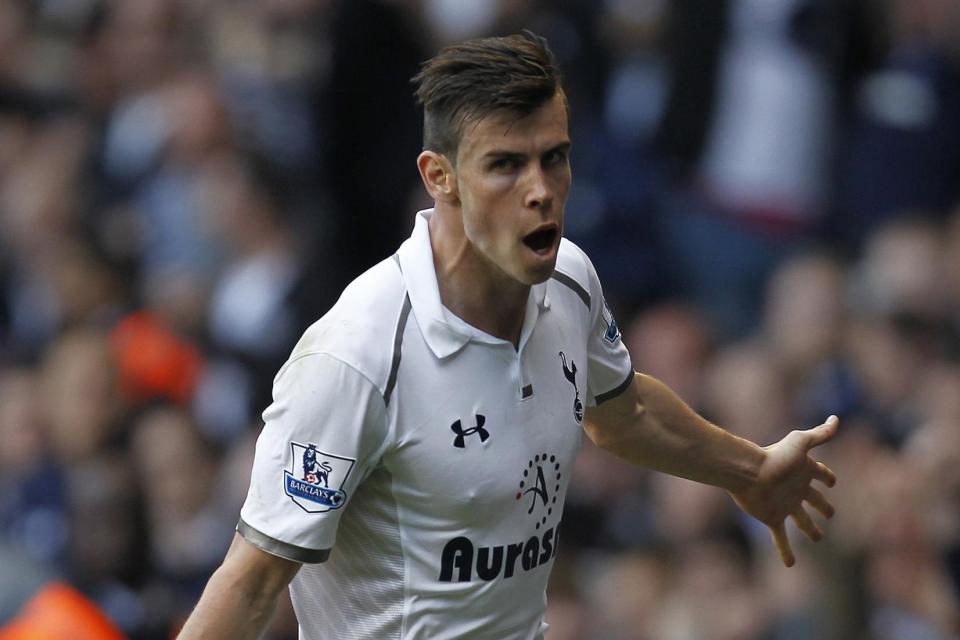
(574, 273)
(358, 331)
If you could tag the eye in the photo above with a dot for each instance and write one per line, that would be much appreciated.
(555, 157)
(505, 163)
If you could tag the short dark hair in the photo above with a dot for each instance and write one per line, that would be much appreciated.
(466, 82)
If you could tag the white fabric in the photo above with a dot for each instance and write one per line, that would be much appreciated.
(427, 500)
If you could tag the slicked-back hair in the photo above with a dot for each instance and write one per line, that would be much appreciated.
(467, 82)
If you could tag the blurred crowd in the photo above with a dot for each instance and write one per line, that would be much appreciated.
(770, 190)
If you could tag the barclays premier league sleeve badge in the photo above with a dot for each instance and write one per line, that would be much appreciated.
(316, 479)
(612, 333)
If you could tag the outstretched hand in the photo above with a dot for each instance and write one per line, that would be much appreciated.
(785, 483)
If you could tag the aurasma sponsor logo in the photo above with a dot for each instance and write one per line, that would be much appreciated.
(461, 556)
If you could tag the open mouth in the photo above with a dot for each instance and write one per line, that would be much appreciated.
(542, 240)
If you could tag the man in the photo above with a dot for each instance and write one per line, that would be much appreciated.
(447, 391)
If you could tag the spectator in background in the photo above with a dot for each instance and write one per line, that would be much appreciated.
(83, 408)
(375, 50)
(901, 150)
(951, 268)
(180, 254)
(752, 182)
(616, 111)
(803, 315)
(178, 470)
(715, 595)
(38, 216)
(106, 535)
(805, 321)
(254, 311)
(899, 329)
(22, 578)
(626, 594)
(33, 513)
(747, 388)
(673, 342)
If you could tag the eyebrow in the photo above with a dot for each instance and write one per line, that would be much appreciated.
(504, 153)
(496, 154)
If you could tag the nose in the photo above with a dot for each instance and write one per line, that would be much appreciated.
(538, 194)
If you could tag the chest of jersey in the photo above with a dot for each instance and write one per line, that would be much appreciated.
(486, 438)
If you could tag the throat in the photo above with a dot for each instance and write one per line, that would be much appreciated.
(473, 288)
(495, 309)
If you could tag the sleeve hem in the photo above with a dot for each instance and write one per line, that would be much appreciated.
(283, 549)
(613, 393)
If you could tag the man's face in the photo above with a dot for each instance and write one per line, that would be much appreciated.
(513, 177)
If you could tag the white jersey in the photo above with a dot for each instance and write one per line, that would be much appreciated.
(417, 465)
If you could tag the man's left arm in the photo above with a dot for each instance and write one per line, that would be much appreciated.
(649, 425)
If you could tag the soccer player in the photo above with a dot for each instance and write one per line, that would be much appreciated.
(410, 477)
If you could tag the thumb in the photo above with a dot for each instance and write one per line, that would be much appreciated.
(822, 433)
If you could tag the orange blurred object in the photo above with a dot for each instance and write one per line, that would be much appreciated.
(60, 612)
(153, 361)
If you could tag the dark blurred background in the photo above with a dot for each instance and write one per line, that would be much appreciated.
(770, 190)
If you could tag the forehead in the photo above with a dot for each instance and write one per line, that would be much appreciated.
(545, 128)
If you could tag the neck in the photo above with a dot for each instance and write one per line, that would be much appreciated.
(472, 287)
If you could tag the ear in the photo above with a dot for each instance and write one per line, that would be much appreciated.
(438, 176)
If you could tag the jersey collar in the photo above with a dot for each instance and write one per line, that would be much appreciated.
(444, 332)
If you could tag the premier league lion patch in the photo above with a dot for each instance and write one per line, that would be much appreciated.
(612, 334)
(316, 486)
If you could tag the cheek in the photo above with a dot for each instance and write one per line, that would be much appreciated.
(480, 228)
(561, 181)
(486, 209)
(490, 233)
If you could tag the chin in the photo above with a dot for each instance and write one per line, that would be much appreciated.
(539, 273)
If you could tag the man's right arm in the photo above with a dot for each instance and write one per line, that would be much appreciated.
(240, 597)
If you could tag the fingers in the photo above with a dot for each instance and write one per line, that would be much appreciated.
(823, 433)
(806, 524)
(782, 543)
(819, 502)
(823, 473)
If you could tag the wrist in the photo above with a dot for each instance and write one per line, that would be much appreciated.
(746, 466)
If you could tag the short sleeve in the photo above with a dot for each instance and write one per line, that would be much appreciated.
(322, 434)
(610, 368)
